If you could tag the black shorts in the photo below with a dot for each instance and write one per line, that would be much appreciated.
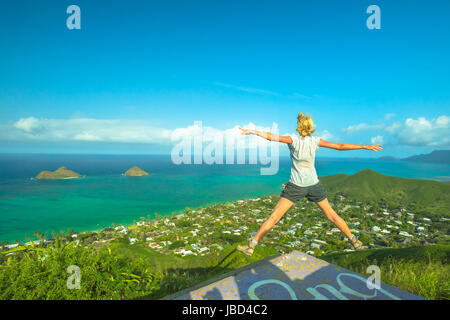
(294, 193)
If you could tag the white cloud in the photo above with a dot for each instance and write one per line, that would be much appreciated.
(389, 115)
(443, 121)
(325, 135)
(362, 127)
(30, 124)
(247, 89)
(263, 91)
(423, 132)
(393, 127)
(123, 131)
(231, 134)
(83, 129)
(86, 136)
(412, 132)
(377, 140)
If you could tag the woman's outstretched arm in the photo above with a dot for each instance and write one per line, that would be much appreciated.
(267, 135)
(342, 146)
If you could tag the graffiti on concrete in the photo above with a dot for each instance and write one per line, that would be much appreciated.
(295, 276)
(338, 293)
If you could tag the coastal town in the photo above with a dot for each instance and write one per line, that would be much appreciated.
(304, 227)
(211, 228)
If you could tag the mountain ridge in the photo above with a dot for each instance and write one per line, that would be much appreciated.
(369, 185)
(436, 156)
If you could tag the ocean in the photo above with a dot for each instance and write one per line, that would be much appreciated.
(104, 196)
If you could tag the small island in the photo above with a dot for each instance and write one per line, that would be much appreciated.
(388, 158)
(135, 172)
(61, 173)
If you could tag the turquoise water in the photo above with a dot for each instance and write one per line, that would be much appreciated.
(105, 196)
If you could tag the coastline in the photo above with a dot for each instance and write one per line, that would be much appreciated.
(65, 178)
(86, 203)
(128, 224)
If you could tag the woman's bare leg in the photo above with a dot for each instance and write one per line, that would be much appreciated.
(280, 209)
(326, 208)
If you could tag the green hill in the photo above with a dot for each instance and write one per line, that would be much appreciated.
(418, 254)
(368, 185)
(422, 270)
(177, 273)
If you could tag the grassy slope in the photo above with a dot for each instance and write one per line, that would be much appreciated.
(423, 271)
(420, 270)
(370, 185)
(418, 254)
(181, 273)
(403, 268)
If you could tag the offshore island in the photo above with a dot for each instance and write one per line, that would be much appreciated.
(136, 172)
(403, 224)
(60, 173)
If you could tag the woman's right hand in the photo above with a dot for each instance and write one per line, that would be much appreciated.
(245, 131)
(373, 147)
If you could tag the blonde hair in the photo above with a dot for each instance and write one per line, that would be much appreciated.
(305, 125)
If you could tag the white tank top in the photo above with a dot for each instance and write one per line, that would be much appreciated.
(303, 153)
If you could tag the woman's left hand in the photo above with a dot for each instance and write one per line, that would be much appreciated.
(373, 147)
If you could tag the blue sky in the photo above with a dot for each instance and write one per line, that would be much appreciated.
(138, 70)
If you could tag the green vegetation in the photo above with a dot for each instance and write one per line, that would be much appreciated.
(60, 173)
(423, 271)
(403, 221)
(116, 271)
(421, 196)
(135, 172)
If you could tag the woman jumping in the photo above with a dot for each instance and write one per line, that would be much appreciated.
(304, 181)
